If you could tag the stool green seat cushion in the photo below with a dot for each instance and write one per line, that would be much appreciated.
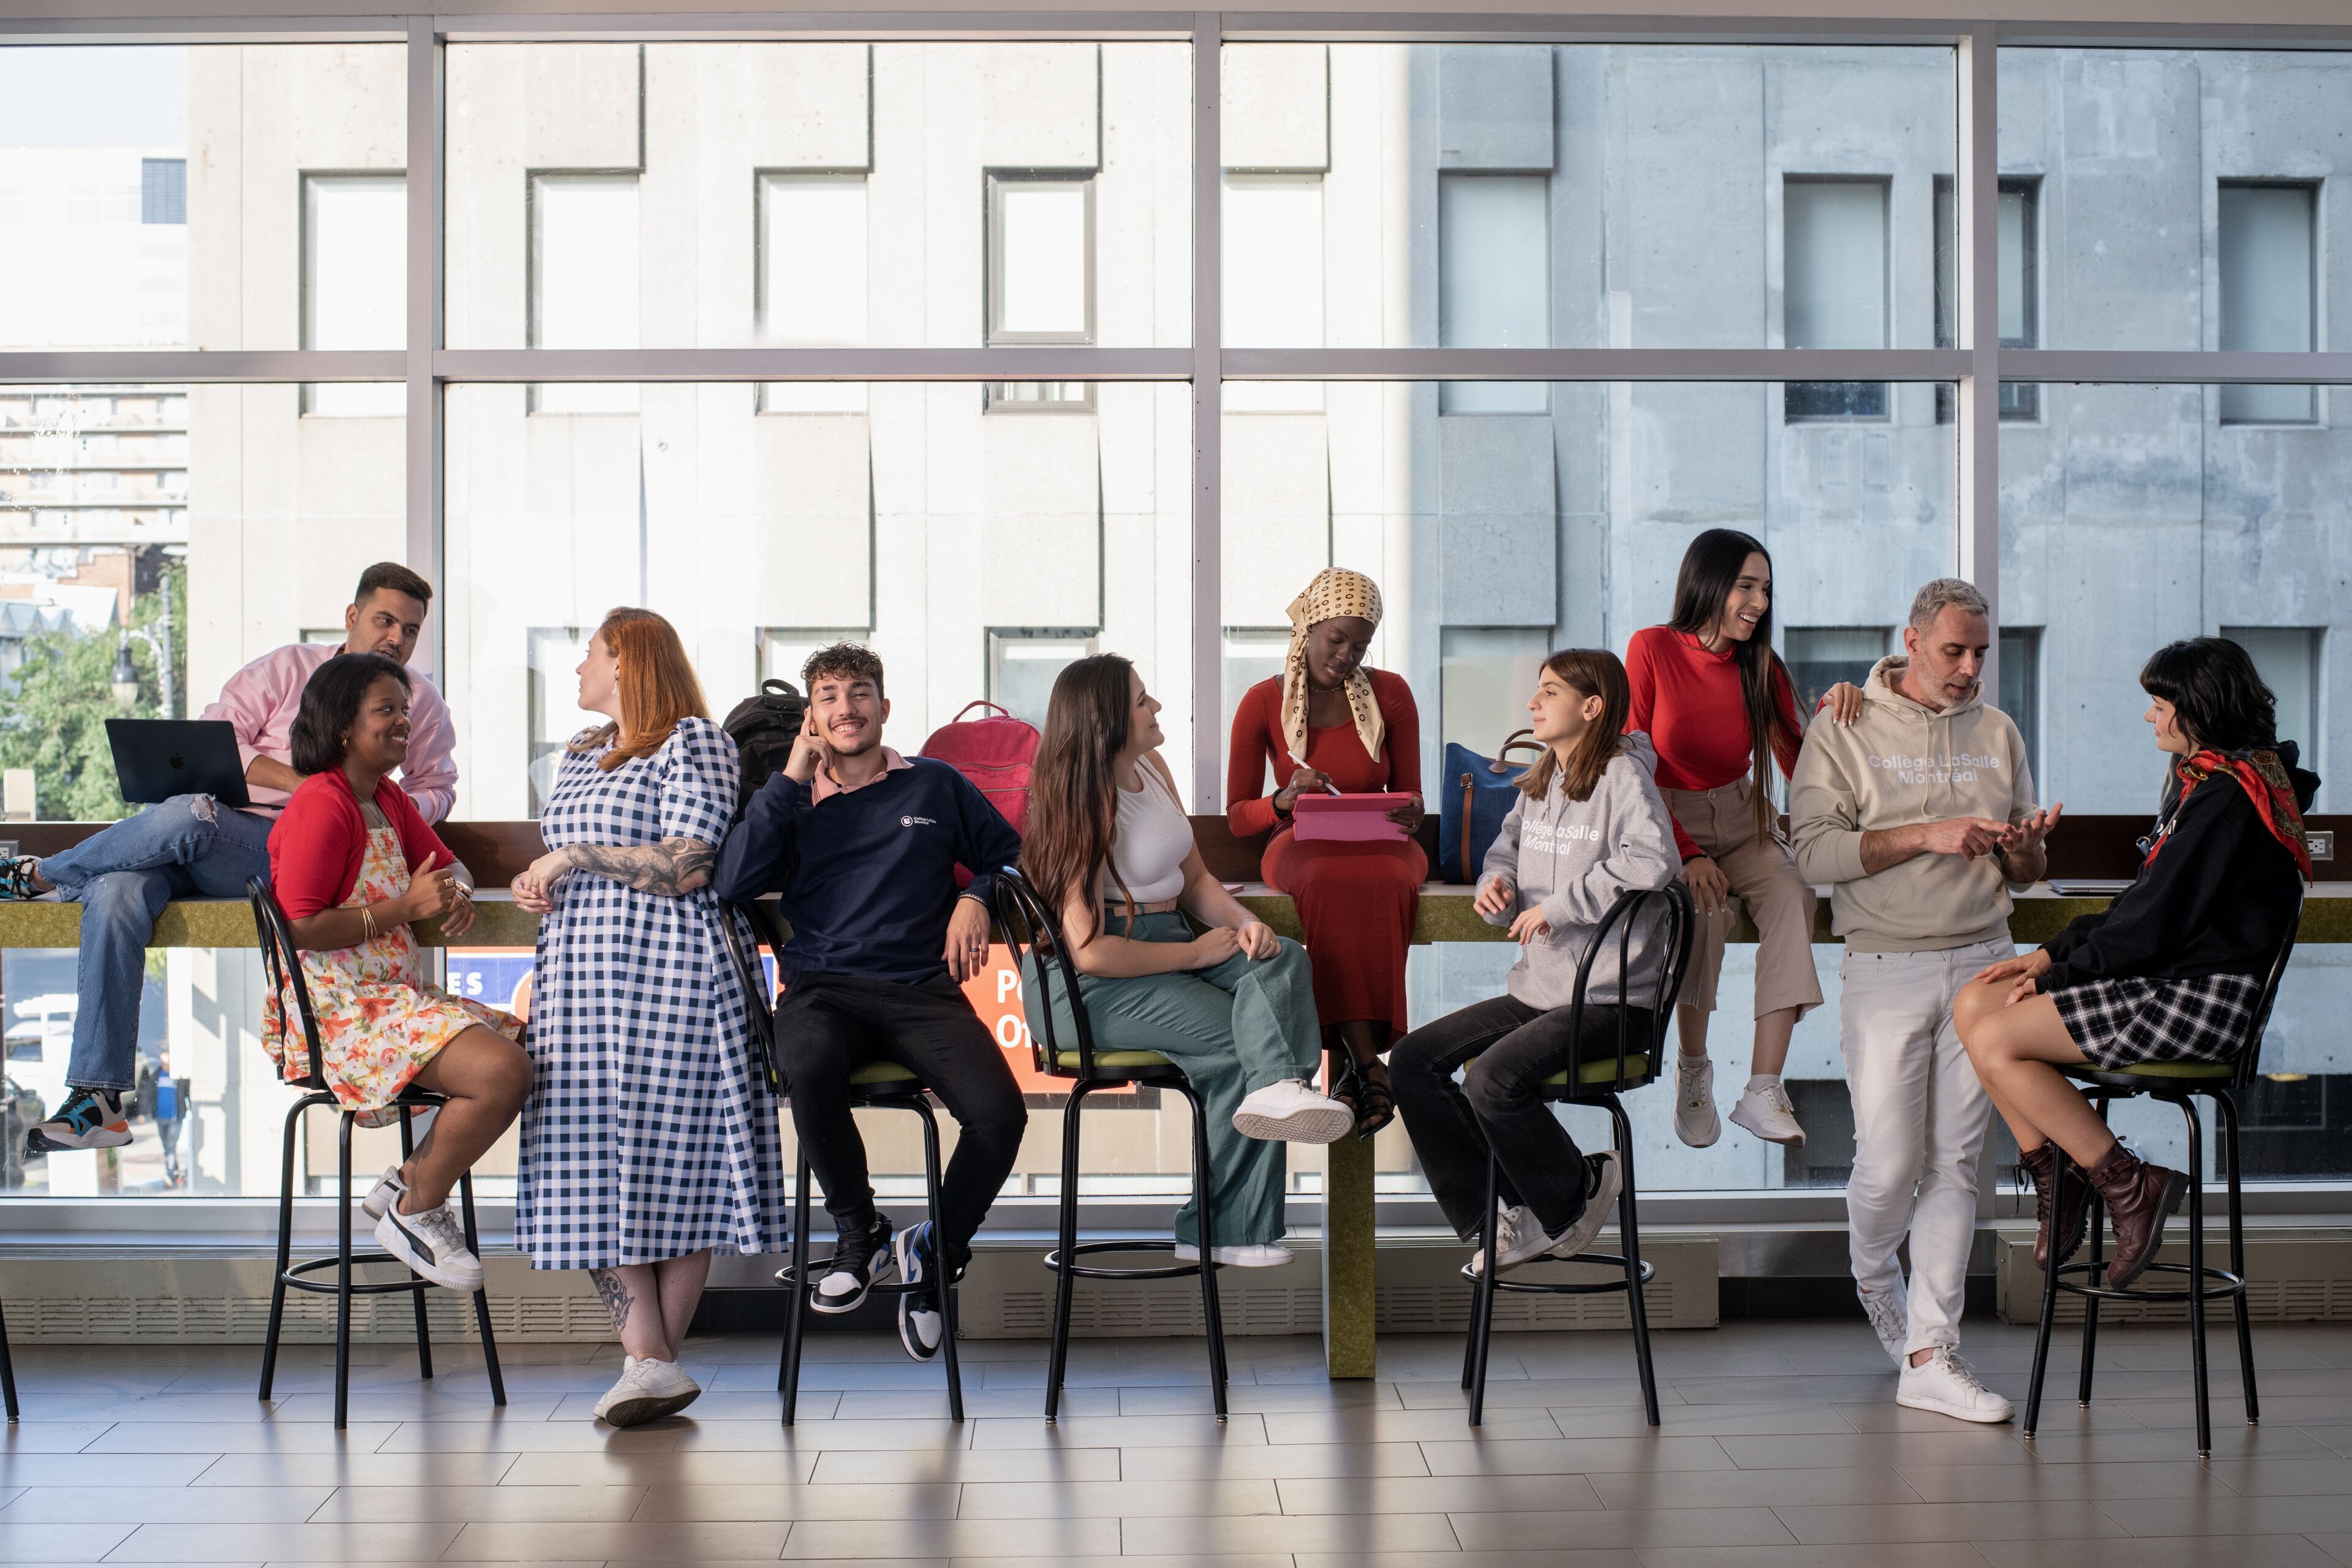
(876, 1073)
(1604, 1070)
(1068, 1060)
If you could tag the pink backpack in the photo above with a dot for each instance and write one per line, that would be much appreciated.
(995, 752)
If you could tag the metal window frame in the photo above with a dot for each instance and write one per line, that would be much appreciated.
(1976, 364)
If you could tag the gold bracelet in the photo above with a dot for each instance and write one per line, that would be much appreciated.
(367, 922)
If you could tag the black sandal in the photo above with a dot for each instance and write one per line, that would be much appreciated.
(1375, 1105)
(1342, 1083)
(16, 878)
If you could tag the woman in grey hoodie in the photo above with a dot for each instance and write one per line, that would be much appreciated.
(1588, 824)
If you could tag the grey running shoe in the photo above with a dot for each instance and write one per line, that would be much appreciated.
(90, 1119)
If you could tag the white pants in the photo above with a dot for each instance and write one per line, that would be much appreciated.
(1920, 1121)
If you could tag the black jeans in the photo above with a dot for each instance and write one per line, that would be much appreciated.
(1498, 1105)
(828, 1026)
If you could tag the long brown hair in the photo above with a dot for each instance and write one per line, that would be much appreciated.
(1596, 672)
(658, 686)
(1074, 781)
(1710, 570)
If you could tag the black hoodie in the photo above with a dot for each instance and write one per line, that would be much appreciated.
(2217, 902)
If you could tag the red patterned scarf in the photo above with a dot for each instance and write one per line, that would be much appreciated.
(2265, 783)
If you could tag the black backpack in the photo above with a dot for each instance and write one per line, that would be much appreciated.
(763, 728)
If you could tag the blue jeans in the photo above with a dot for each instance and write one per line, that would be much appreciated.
(186, 847)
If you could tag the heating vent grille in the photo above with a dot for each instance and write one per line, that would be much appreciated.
(235, 1320)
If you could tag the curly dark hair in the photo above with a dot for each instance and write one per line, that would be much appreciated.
(843, 661)
(331, 705)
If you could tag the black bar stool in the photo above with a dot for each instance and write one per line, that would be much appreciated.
(282, 965)
(2175, 1083)
(1034, 936)
(1597, 1083)
(885, 1085)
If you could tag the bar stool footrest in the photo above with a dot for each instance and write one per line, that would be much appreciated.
(1077, 1270)
(2231, 1286)
(359, 1286)
(1569, 1286)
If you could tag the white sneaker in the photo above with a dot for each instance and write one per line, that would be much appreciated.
(1944, 1384)
(648, 1390)
(1600, 1203)
(433, 1245)
(1261, 1255)
(1889, 1312)
(1290, 1112)
(1695, 1123)
(1767, 1113)
(1515, 1227)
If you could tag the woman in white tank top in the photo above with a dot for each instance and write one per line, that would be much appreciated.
(1108, 845)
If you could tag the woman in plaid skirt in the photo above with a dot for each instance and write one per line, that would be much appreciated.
(2172, 970)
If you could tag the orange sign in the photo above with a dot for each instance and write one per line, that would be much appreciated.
(995, 994)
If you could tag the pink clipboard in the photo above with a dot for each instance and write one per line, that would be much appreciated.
(1349, 818)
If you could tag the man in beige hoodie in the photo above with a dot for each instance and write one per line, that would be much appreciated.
(1920, 817)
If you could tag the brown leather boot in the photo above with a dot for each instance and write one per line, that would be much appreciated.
(2139, 1197)
(2069, 1194)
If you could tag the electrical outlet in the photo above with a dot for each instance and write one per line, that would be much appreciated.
(2323, 844)
(7, 847)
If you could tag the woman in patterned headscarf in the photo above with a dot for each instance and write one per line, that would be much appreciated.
(1327, 723)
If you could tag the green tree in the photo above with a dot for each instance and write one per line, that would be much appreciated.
(55, 722)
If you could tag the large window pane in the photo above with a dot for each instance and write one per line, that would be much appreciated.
(2177, 198)
(192, 529)
(940, 193)
(155, 196)
(1635, 191)
(1496, 539)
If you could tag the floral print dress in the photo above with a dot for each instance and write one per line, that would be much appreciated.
(379, 1023)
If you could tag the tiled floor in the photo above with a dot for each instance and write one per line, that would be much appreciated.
(1781, 1445)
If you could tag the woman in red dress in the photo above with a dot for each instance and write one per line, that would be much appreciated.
(1327, 724)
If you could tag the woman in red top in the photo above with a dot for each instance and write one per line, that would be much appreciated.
(1327, 724)
(355, 868)
(1718, 703)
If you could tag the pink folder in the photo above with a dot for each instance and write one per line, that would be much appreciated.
(1353, 818)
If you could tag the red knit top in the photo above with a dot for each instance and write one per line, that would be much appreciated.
(1689, 702)
(321, 838)
(1258, 748)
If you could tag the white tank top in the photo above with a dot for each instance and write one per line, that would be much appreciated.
(1148, 842)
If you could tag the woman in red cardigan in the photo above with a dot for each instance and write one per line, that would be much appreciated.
(354, 867)
(1327, 724)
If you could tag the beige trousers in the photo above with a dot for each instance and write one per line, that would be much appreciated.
(1765, 881)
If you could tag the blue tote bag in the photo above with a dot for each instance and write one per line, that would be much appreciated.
(1474, 795)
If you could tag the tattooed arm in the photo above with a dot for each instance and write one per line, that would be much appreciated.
(670, 868)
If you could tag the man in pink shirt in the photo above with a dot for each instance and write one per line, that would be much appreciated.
(193, 846)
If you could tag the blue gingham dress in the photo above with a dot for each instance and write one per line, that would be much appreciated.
(650, 1132)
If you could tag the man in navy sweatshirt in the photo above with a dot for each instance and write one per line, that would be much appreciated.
(863, 845)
